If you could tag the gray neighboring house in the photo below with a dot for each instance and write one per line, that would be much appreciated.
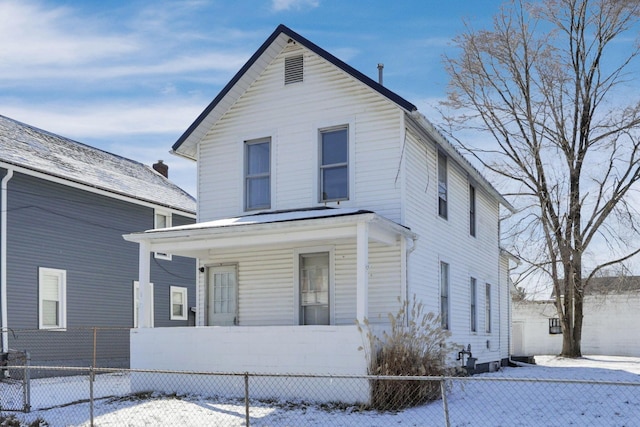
(64, 267)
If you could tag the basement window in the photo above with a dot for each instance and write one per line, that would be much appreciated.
(293, 69)
(554, 326)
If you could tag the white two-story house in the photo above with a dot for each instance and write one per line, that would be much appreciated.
(324, 197)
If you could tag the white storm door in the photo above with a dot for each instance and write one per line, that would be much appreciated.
(222, 299)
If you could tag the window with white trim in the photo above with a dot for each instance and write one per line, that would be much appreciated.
(442, 185)
(334, 164)
(136, 305)
(444, 295)
(487, 316)
(52, 298)
(472, 210)
(257, 174)
(178, 303)
(473, 304)
(162, 219)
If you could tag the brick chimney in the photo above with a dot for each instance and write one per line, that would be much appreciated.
(161, 168)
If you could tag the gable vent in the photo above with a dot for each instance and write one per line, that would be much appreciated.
(293, 69)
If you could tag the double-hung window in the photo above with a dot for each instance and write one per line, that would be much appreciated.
(162, 219)
(473, 300)
(487, 316)
(178, 303)
(334, 164)
(444, 295)
(472, 210)
(52, 298)
(442, 185)
(257, 174)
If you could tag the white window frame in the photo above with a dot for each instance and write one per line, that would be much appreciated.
(296, 280)
(487, 308)
(61, 276)
(473, 304)
(445, 295)
(443, 185)
(136, 306)
(247, 177)
(183, 292)
(322, 167)
(168, 220)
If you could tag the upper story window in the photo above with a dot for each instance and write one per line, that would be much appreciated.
(334, 164)
(442, 185)
(293, 69)
(257, 175)
(444, 295)
(162, 219)
(52, 298)
(472, 210)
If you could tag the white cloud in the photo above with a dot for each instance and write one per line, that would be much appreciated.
(282, 5)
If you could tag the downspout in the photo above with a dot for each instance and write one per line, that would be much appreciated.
(3, 260)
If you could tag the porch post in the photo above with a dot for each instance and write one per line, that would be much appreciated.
(144, 308)
(362, 274)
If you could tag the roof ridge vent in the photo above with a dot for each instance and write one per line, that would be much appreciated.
(293, 69)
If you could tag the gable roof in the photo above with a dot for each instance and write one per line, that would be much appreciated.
(186, 144)
(36, 150)
(610, 285)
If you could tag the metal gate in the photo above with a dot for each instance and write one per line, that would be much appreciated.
(14, 381)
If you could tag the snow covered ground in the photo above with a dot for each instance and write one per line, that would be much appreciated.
(594, 390)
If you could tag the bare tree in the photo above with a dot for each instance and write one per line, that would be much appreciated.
(551, 82)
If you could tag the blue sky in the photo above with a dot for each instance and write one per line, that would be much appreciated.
(130, 76)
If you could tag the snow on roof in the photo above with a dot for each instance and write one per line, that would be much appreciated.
(269, 217)
(42, 151)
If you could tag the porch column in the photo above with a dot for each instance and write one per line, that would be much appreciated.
(144, 294)
(362, 273)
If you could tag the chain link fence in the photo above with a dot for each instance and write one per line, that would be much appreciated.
(109, 397)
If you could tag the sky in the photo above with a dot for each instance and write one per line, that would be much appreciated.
(565, 389)
(129, 76)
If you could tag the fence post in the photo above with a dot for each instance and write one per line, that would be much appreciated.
(246, 398)
(26, 389)
(445, 406)
(91, 377)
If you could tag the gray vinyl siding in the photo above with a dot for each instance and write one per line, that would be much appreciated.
(56, 226)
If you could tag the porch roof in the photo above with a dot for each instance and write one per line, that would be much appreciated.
(269, 228)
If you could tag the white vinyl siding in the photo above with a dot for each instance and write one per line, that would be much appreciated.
(178, 303)
(52, 298)
(327, 98)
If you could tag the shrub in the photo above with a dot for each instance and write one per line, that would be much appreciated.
(415, 345)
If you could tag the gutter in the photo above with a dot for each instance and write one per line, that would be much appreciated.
(3, 260)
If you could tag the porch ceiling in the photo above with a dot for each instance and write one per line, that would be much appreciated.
(196, 240)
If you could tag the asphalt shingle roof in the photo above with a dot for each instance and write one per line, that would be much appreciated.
(38, 150)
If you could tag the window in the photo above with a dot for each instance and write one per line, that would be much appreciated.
(136, 306)
(52, 298)
(178, 303)
(314, 288)
(487, 317)
(257, 181)
(293, 69)
(473, 299)
(334, 164)
(472, 210)
(162, 219)
(442, 185)
(554, 326)
(444, 295)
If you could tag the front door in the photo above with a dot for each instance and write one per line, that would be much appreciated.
(222, 296)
